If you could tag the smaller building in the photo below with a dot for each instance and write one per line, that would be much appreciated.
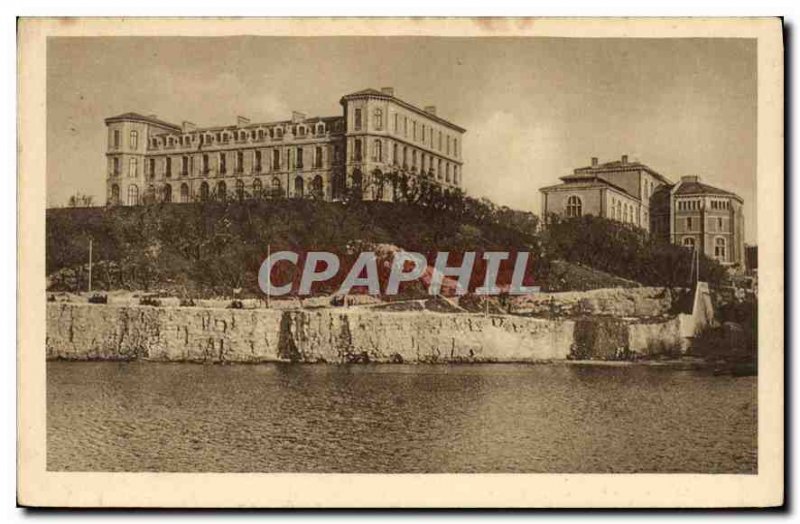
(697, 215)
(618, 190)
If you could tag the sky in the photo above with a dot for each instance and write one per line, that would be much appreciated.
(534, 108)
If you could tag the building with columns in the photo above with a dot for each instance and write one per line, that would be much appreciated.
(149, 159)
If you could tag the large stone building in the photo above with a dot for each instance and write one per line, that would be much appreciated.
(619, 190)
(688, 213)
(153, 160)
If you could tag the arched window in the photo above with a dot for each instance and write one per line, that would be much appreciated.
(720, 248)
(298, 187)
(134, 140)
(222, 190)
(133, 195)
(320, 128)
(378, 118)
(185, 192)
(316, 186)
(240, 189)
(276, 190)
(115, 194)
(167, 193)
(574, 206)
(151, 194)
(257, 188)
(688, 242)
(377, 151)
(204, 191)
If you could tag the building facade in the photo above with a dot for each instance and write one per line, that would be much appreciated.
(325, 157)
(703, 217)
(618, 190)
(688, 213)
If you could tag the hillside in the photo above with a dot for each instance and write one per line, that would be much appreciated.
(210, 249)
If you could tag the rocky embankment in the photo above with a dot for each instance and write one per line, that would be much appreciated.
(603, 324)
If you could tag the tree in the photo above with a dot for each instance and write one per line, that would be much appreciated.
(80, 200)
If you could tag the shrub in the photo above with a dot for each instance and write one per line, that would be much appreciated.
(236, 304)
(149, 301)
(625, 251)
(187, 302)
(98, 299)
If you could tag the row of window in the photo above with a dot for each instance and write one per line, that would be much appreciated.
(688, 205)
(696, 204)
(133, 139)
(417, 132)
(717, 224)
(206, 138)
(294, 159)
(624, 211)
(219, 191)
(720, 247)
(408, 158)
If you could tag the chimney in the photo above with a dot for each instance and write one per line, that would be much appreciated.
(594, 161)
(187, 126)
(298, 117)
(690, 179)
(387, 91)
(242, 121)
(624, 159)
(430, 110)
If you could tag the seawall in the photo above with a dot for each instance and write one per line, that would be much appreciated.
(96, 331)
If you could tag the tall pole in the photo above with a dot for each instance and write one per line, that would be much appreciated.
(90, 265)
(269, 275)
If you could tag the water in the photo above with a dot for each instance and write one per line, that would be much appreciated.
(557, 418)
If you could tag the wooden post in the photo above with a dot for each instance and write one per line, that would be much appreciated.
(269, 275)
(90, 265)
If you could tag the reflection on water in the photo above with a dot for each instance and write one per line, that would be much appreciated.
(142, 416)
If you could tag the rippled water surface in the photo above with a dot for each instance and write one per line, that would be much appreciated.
(144, 416)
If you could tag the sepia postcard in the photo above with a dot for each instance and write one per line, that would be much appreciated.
(400, 263)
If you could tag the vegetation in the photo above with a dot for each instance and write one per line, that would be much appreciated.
(625, 251)
(213, 247)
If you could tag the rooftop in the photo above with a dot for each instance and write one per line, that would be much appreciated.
(619, 165)
(695, 187)
(143, 118)
(388, 94)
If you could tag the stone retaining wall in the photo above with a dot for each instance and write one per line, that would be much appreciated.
(97, 331)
